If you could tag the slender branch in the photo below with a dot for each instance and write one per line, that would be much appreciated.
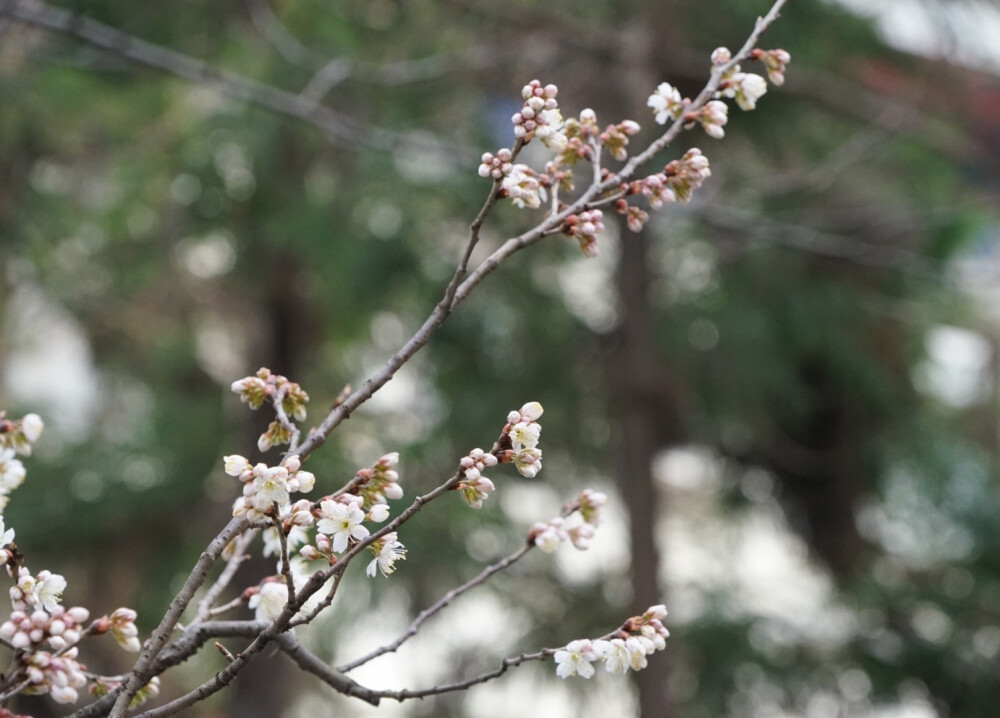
(433, 609)
(204, 608)
(140, 672)
(286, 423)
(287, 45)
(505, 665)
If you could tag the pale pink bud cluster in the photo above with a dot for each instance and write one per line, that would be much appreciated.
(585, 227)
(524, 187)
(60, 628)
(20, 435)
(579, 136)
(379, 483)
(497, 166)
(475, 487)
(628, 649)
(121, 622)
(43, 590)
(666, 103)
(713, 117)
(775, 62)
(547, 536)
(635, 217)
(615, 138)
(656, 189)
(266, 489)
(60, 676)
(387, 551)
(540, 116)
(687, 174)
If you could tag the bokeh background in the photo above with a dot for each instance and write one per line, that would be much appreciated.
(789, 386)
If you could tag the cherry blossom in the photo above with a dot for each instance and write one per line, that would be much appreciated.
(269, 601)
(387, 551)
(342, 523)
(576, 659)
(666, 103)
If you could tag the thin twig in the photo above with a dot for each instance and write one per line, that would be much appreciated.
(433, 609)
(204, 608)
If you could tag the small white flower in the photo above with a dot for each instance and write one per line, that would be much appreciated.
(387, 551)
(49, 588)
(342, 523)
(269, 601)
(576, 659)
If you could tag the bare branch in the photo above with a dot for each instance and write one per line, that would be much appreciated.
(204, 608)
(140, 674)
(334, 678)
(440, 604)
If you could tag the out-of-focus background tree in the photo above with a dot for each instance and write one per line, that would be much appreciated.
(789, 385)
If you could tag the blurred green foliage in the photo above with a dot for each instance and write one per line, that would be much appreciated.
(190, 238)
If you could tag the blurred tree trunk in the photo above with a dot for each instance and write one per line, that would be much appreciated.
(634, 373)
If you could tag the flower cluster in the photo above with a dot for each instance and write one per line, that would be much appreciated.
(43, 590)
(627, 648)
(547, 536)
(524, 187)
(475, 487)
(540, 117)
(498, 166)
(774, 62)
(43, 633)
(585, 227)
(379, 483)
(288, 398)
(266, 489)
(522, 432)
(745, 87)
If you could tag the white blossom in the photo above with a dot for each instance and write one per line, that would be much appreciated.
(269, 601)
(342, 523)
